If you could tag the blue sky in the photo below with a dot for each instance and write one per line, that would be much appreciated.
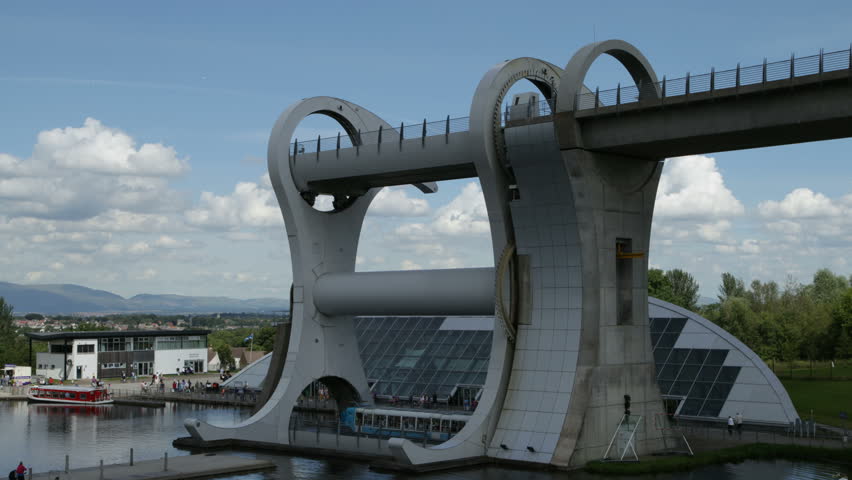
(206, 80)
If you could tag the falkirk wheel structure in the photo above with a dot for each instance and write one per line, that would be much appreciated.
(572, 336)
(570, 228)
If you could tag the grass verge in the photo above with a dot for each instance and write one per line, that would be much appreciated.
(826, 398)
(755, 451)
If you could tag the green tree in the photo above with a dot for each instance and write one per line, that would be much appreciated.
(226, 359)
(684, 289)
(731, 287)
(659, 285)
(828, 287)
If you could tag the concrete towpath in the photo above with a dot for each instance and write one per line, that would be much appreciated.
(179, 468)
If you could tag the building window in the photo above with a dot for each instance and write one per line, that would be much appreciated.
(168, 343)
(195, 342)
(112, 365)
(143, 343)
(113, 344)
(60, 348)
(90, 348)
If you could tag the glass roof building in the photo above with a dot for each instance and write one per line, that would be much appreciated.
(704, 372)
(412, 356)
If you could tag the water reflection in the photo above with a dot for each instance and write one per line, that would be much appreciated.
(41, 435)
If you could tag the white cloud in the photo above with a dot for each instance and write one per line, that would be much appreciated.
(410, 265)
(76, 173)
(800, 203)
(250, 205)
(100, 149)
(242, 236)
(693, 187)
(112, 249)
(785, 226)
(395, 202)
(464, 215)
(713, 232)
(147, 274)
(37, 276)
(166, 241)
(139, 248)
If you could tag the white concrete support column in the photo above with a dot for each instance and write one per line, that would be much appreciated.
(613, 203)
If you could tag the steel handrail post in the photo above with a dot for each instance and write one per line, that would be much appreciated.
(737, 86)
(712, 79)
(618, 97)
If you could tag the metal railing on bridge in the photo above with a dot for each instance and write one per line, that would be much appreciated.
(716, 80)
(390, 135)
(666, 88)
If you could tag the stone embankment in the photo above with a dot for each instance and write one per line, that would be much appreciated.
(166, 468)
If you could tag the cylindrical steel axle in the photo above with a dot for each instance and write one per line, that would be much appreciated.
(462, 291)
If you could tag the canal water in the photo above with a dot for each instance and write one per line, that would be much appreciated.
(41, 436)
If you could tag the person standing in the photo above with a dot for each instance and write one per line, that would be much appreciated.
(730, 425)
(739, 421)
(21, 471)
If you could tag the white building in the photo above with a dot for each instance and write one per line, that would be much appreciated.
(105, 354)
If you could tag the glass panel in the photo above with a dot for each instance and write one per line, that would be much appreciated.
(688, 373)
(669, 372)
(691, 407)
(708, 373)
(680, 388)
(675, 325)
(667, 340)
(697, 356)
(712, 408)
(700, 390)
(720, 391)
(716, 357)
(728, 374)
(658, 325)
(661, 354)
(678, 356)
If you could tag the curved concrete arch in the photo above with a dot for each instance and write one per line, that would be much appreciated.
(320, 242)
(485, 123)
(754, 358)
(486, 133)
(575, 71)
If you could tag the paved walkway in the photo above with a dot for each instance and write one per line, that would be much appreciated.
(179, 468)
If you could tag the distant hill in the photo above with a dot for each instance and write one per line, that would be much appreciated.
(68, 299)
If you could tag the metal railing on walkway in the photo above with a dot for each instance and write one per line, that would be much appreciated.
(228, 397)
(760, 74)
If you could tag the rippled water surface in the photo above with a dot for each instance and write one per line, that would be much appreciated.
(41, 436)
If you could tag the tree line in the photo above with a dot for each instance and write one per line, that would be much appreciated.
(794, 322)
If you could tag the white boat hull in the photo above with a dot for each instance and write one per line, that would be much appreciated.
(67, 402)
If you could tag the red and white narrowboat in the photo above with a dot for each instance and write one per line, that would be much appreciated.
(70, 395)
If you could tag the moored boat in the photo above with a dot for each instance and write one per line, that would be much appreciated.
(70, 395)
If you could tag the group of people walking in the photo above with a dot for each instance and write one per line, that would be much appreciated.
(735, 422)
